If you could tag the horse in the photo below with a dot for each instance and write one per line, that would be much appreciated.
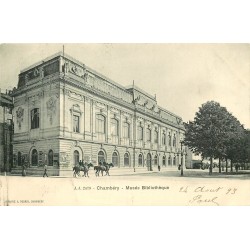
(103, 168)
(108, 166)
(85, 169)
(98, 169)
(76, 170)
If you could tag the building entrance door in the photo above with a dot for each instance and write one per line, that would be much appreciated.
(76, 158)
(149, 162)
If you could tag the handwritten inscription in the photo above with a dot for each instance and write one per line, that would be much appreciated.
(203, 195)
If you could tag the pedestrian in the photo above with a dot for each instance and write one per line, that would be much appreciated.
(159, 168)
(24, 170)
(45, 171)
(179, 168)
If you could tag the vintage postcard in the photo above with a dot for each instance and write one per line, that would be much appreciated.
(124, 124)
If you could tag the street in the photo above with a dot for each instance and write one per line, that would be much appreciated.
(126, 187)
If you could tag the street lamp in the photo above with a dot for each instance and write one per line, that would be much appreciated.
(181, 142)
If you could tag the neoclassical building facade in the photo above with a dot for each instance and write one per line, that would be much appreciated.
(65, 111)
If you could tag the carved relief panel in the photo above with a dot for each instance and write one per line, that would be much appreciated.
(51, 109)
(19, 116)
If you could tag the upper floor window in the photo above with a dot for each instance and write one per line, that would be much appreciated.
(100, 124)
(148, 134)
(174, 141)
(76, 124)
(169, 139)
(140, 133)
(156, 136)
(126, 130)
(163, 138)
(34, 118)
(114, 127)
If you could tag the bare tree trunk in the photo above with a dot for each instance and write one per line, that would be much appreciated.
(211, 166)
(226, 165)
(219, 165)
(231, 165)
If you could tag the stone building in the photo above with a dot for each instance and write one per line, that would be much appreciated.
(65, 111)
(6, 131)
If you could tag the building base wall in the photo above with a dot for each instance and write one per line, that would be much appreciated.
(68, 152)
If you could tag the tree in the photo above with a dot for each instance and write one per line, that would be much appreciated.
(211, 131)
(239, 149)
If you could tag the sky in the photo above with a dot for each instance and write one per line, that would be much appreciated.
(183, 76)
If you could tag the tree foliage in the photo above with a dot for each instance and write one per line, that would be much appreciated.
(214, 133)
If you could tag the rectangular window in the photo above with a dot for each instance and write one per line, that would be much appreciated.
(148, 134)
(100, 124)
(114, 127)
(140, 133)
(163, 139)
(34, 118)
(76, 128)
(156, 136)
(126, 130)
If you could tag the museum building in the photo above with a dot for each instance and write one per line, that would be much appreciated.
(65, 111)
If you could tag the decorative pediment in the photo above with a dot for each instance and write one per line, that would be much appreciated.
(100, 105)
(76, 70)
(114, 110)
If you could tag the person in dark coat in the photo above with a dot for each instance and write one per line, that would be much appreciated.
(159, 168)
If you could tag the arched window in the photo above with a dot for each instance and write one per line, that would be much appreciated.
(164, 160)
(156, 160)
(76, 158)
(163, 138)
(34, 158)
(148, 134)
(115, 159)
(140, 160)
(174, 161)
(114, 127)
(34, 118)
(126, 129)
(100, 124)
(169, 161)
(50, 158)
(156, 136)
(126, 159)
(140, 133)
(101, 157)
(19, 159)
(169, 139)
(149, 165)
